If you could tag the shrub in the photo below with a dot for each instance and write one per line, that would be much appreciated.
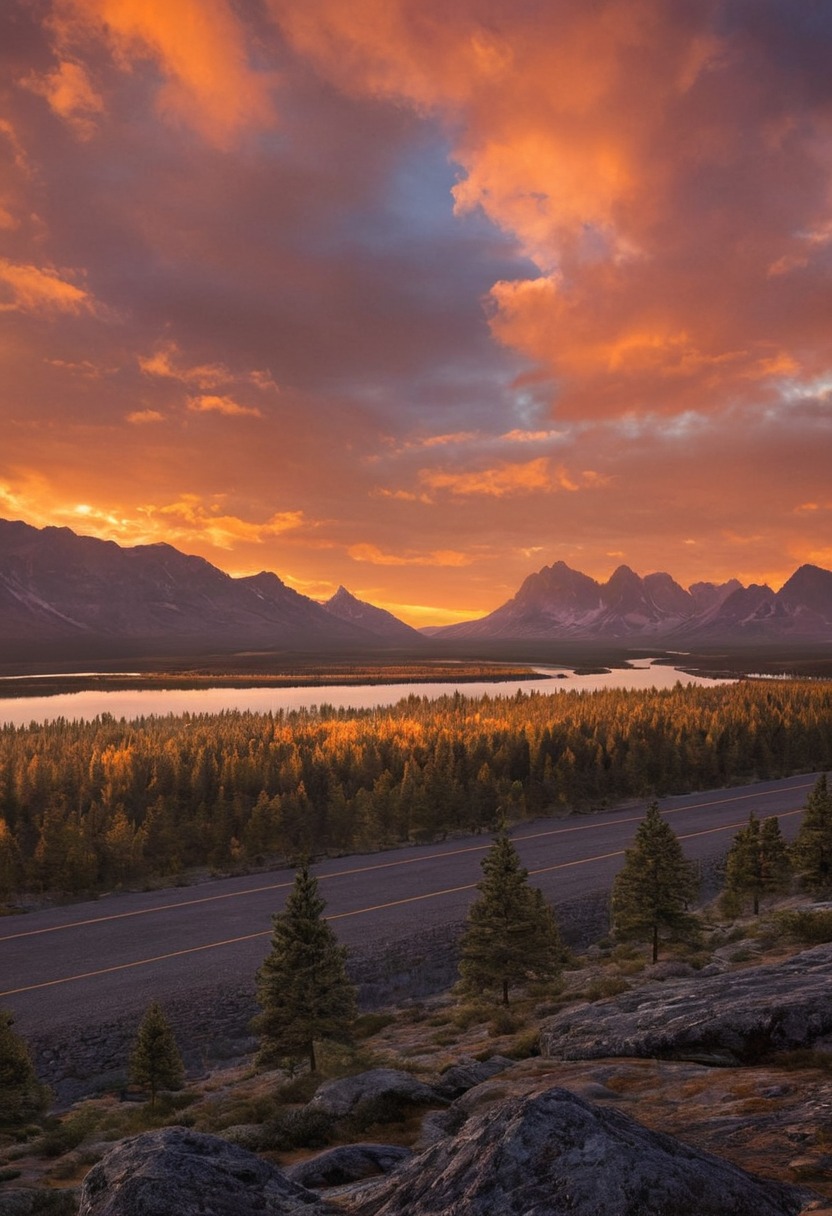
(369, 1024)
(604, 987)
(525, 1045)
(503, 1022)
(806, 925)
(66, 1134)
(302, 1128)
(299, 1088)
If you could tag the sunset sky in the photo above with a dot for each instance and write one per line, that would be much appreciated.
(419, 296)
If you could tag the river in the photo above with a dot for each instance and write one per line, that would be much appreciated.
(89, 703)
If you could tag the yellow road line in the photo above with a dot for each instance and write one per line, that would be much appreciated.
(395, 903)
(382, 865)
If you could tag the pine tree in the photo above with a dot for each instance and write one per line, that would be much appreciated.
(757, 865)
(812, 849)
(156, 1061)
(650, 895)
(302, 985)
(22, 1097)
(511, 937)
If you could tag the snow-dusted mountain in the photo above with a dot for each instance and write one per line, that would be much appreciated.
(57, 587)
(558, 602)
(378, 621)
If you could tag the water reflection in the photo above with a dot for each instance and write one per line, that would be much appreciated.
(644, 673)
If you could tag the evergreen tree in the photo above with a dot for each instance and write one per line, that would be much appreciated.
(511, 937)
(757, 865)
(302, 985)
(156, 1061)
(812, 849)
(22, 1097)
(650, 895)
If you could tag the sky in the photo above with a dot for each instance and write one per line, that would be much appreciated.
(419, 296)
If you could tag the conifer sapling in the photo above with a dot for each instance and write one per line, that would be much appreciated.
(511, 936)
(156, 1062)
(302, 985)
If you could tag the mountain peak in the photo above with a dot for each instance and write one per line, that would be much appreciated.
(378, 621)
(558, 602)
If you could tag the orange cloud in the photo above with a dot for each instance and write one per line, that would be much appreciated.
(438, 557)
(140, 417)
(190, 516)
(32, 289)
(402, 495)
(498, 482)
(207, 404)
(70, 95)
(166, 362)
(200, 47)
(628, 148)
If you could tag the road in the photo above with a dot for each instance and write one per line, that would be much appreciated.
(92, 962)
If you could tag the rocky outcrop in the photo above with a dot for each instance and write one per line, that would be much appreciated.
(349, 1095)
(37, 1203)
(736, 1018)
(467, 1073)
(347, 1163)
(190, 1174)
(555, 1154)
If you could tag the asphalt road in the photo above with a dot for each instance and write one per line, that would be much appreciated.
(92, 962)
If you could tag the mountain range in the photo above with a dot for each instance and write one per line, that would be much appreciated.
(58, 588)
(558, 602)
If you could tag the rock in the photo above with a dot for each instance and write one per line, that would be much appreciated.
(23, 1202)
(468, 1073)
(555, 1154)
(669, 969)
(190, 1174)
(739, 1017)
(348, 1163)
(344, 1097)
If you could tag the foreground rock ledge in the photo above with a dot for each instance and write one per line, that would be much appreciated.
(557, 1155)
(176, 1172)
(740, 1017)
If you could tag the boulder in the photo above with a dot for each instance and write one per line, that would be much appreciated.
(24, 1202)
(737, 1018)
(190, 1174)
(555, 1154)
(464, 1075)
(347, 1095)
(347, 1163)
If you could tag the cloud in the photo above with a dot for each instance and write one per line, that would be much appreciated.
(200, 48)
(141, 417)
(70, 95)
(166, 362)
(34, 289)
(190, 516)
(496, 482)
(519, 436)
(439, 557)
(677, 214)
(82, 367)
(402, 495)
(207, 404)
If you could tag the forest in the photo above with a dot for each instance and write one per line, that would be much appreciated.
(92, 806)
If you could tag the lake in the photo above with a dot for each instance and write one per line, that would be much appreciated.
(21, 711)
